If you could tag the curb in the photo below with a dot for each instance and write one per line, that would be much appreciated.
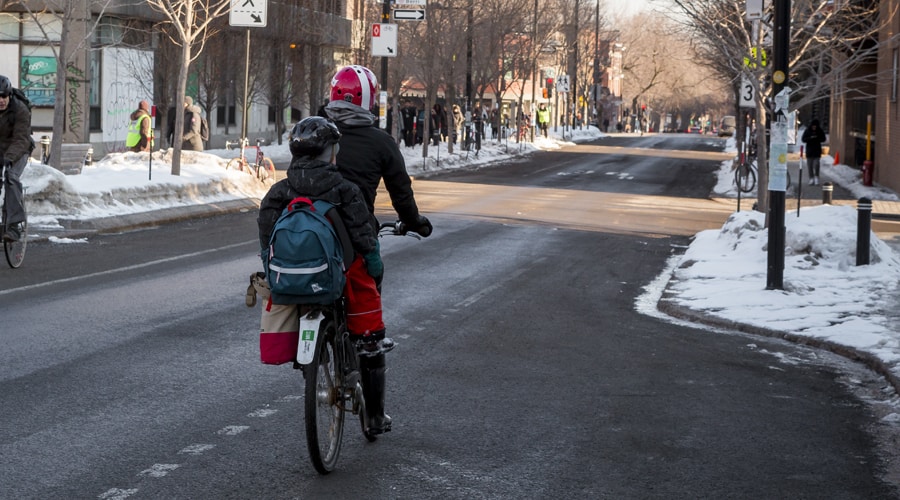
(74, 228)
(680, 312)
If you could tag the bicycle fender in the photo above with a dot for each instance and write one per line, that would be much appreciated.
(309, 330)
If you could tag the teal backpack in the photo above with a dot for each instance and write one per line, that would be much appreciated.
(304, 262)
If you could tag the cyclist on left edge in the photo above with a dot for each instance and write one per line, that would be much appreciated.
(15, 146)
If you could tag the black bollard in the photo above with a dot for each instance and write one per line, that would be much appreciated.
(863, 230)
(827, 193)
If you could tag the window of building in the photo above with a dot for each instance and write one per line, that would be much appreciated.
(9, 26)
(225, 115)
(49, 28)
(272, 112)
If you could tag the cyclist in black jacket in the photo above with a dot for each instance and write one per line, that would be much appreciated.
(367, 155)
(15, 146)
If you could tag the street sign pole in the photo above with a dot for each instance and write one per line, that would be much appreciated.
(385, 19)
(781, 44)
(252, 14)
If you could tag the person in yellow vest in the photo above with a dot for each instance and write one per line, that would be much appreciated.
(140, 134)
(543, 116)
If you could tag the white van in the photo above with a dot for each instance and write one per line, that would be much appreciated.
(727, 126)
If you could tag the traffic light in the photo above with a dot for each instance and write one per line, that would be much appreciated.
(545, 94)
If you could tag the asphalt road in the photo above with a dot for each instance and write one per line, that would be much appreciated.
(130, 365)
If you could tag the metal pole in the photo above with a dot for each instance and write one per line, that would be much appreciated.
(574, 78)
(470, 20)
(781, 43)
(863, 231)
(534, 57)
(246, 90)
(596, 90)
(385, 18)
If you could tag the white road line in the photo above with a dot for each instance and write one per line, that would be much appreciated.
(196, 449)
(233, 430)
(121, 269)
(262, 413)
(475, 297)
(159, 470)
(117, 494)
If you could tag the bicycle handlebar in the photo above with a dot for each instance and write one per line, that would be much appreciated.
(397, 228)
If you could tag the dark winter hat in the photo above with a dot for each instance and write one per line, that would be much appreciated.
(814, 122)
(144, 105)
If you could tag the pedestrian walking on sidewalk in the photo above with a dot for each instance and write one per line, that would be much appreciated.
(813, 136)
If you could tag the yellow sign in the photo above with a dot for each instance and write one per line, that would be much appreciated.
(778, 77)
(751, 61)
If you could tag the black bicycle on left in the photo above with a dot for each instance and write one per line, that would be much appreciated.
(14, 250)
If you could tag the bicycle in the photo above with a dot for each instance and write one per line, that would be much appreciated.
(262, 167)
(14, 250)
(745, 173)
(331, 370)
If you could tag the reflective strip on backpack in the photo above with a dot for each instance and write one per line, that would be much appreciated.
(295, 270)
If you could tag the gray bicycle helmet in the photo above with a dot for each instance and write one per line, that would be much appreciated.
(6, 87)
(312, 136)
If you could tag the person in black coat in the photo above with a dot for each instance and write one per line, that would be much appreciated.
(813, 136)
(408, 115)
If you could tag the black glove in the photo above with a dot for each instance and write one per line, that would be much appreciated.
(422, 226)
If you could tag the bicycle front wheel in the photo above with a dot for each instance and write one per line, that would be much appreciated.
(237, 164)
(324, 400)
(745, 178)
(15, 250)
(267, 171)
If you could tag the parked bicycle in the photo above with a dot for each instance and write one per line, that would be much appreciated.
(745, 172)
(333, 385)
(261, 167)
(14, 250)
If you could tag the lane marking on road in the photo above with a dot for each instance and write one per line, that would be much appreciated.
(475, 297)
(196, 449)
(262, 413)
(232, 430)
(123, 269)
(117, 494)
(159, 470)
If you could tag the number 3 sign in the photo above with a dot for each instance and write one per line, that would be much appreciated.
(747, 95)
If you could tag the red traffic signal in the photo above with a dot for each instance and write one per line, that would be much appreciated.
(549, 83)
(643, 107)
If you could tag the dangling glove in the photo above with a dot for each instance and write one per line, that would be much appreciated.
(374, 266)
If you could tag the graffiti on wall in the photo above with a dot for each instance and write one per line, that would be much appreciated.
(74, 79)
(38, 79)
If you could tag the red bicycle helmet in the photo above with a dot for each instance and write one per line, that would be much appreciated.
(355, 84)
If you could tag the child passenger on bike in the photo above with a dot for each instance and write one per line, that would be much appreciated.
(313, 174)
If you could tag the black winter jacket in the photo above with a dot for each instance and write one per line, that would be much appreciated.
(814, 136)
(15, 131)
(367, 155)
(318, 180)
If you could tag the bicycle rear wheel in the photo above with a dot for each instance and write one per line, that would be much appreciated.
(267, 171)
(15, 250)
(324, 400)
(745, 178)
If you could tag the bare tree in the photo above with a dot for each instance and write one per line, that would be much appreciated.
(68, 13)
(828, 45)
(190, 20)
